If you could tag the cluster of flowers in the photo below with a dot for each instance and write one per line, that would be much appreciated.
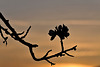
(61, 31)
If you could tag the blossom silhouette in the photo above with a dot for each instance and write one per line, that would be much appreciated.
(61, 31)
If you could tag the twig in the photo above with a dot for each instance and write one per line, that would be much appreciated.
(21, 33)
(26, 33)
(5, 38)
(50, 62)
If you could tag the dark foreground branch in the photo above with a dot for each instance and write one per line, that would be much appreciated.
(16, 37)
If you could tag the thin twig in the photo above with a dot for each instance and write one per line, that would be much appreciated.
(50, 62)
(26, 33)
(21, 33)
(47, 53)
(5, 38)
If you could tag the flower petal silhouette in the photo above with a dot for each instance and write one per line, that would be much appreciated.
(53, 37)
(65, 29)
(60, 28)
(52, 34)
(66, 34)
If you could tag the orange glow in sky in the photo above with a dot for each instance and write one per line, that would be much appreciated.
(71, 65)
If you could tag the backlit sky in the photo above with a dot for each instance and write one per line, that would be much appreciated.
(81, 16)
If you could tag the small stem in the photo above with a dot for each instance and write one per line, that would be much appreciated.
(62, 45)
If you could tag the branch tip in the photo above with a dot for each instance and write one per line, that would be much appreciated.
(34, 45)
(75, 47)
(26, 32)
(69, 55)
(50, 62)
(21, 33)
(47, 53)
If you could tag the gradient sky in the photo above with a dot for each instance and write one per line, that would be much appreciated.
(81, 16)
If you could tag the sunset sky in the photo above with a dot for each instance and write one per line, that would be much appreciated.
(81, 16)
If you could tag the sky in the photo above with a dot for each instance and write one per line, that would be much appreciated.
(82, 17)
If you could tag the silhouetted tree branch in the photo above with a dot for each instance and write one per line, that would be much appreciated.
(61, 31)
